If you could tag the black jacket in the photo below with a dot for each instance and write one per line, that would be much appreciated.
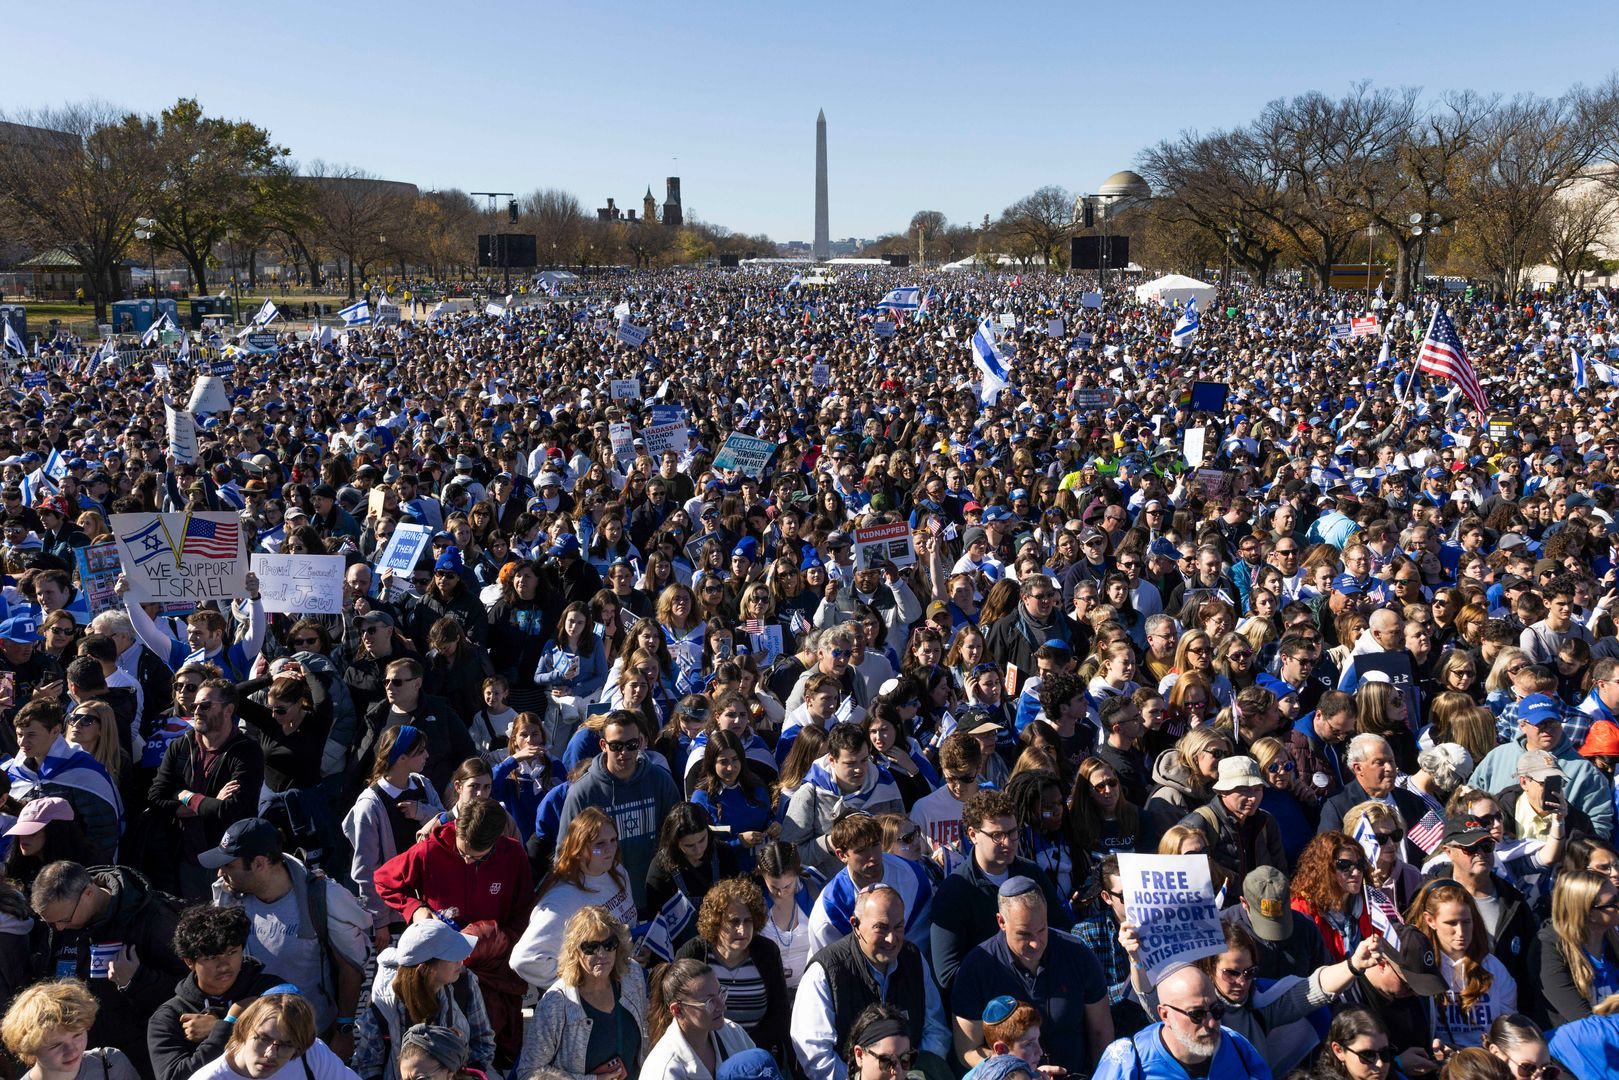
(240, 759)
(964, 912)
(174, 1057)
(1411, 807)
(448, 743)
(1010, 640)
(137, 915)
(770, 1033)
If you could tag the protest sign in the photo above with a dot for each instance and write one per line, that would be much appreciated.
(820, 374)
(1170, 901)
(661, 437)
(1087, 398)
(35, 379)
(1209, 396)
(1090, 300)
(376, 502)
(883, 328)
(625, 389)
(884, 543)
(1215, 484)
(405, 549)
(190, 557)
(764, 642)
(1192, 445)
(208, 395)
(98, 570)
(386, 315)
(1363, 327)
(1500, 427)
(745, 454)
(182, 432)
(622, 436)
(1054, 328)
(1084, 340)
(222, 368)
(632, 335)
(262, 342)
(300, 584)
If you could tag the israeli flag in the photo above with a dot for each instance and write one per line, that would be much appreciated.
(1602, 298)
(356, 314)
(154, 331)
(991, 360)
(182, 355)
(267, 314)
(55, 467)
(1186, 328)
(321, 336)
(1580, 380)
(796, 281)
(14, 341)
(437, 312)
(906, 299)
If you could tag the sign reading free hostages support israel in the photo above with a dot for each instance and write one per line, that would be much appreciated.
(1170, 901)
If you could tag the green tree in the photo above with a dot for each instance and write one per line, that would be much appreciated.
(208, 182)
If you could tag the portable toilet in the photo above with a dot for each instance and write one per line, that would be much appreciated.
(210, 305)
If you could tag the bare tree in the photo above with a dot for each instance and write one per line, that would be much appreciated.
(558, 220)
(926, 225)
(1036, 225)
(1527, 152)
(79, 184)
(1205, 184)
(354, 211)
(1576, 224)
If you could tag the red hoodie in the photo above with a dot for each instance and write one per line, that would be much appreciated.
(498, 889)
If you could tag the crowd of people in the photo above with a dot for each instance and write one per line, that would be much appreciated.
(655, 765)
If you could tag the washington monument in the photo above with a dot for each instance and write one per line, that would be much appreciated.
(823, 235)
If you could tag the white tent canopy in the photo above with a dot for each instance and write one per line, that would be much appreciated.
(1176, 289)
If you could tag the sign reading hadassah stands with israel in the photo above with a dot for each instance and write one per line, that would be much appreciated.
(1170, 901)
(182, 557)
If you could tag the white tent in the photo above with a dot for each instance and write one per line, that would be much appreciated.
(1176, 289)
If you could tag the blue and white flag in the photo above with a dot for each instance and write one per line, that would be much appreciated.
(906, 299)
(1580, 380)
(994, 362)
(321, 336)
(356, 314)
(796, 280)
(182, 355)
(14, 341)
(55, 468)
(1366, 837)
(1186, 328)
(267, 314)
(154, 331)
(1602, 298)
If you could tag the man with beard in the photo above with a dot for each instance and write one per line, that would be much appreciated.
(1188, 1039)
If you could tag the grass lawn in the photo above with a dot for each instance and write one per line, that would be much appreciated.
(80, 319)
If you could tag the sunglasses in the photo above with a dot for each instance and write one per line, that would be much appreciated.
(1281, 767)
(1483, 847)
(623, 746)
(910, 837)
(1370, 1058)
(1200, 1015)
(593, 948)
(1349, 866)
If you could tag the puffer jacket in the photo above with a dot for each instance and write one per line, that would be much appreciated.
(1172, 799)
(558, 1034)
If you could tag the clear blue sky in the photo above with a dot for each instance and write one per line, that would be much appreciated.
(958, 107)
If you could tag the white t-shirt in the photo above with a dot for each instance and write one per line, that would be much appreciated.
(323, 1065)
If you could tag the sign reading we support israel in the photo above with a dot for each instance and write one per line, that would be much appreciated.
(182, 557)
(1170, 901)
(632, 335)
(745, 454)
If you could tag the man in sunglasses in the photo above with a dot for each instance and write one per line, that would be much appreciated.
(1187, 1040)
(1470, 844)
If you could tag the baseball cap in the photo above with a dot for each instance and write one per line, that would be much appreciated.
(564, 547)
(431, 939)
(1465, 830)
(374, 618)
(1417, 965)
(754, 1064)
(246, 839)
(1348, 585)
(1268, 897)
(1538, 765)
(39, 813)
(20, 628)
(1538, 709)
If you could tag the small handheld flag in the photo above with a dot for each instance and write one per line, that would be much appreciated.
(1186, 327)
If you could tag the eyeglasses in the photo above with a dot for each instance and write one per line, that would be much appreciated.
(1489, 821)
(1387, 838)
(1349, 866)
(306, 642)
(1482, 847)
(623, 746)
(593, 948)
(1104, 785)
(1200, 1015)
(78, 718)
(999, 836)
(400, 682)
(1240, 973)
(1197, 650)
(718, 1000)
(1281, 767)
(1383, 1055)
(1287, 551)
(839, 654)
(275, 1047)
(910, 837)
(1525, 1070)
(960, 778)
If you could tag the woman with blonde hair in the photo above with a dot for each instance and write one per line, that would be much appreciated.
(1184, 775)
(1295, 819)
(1478, 986)
(1381, 708)
(1575, 956)
(593, 1019)
(1194, 655)
(1498, 683)
(1398, 879)
(48, 1026)
(274, 1039)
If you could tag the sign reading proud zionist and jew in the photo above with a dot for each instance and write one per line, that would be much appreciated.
(182, 557)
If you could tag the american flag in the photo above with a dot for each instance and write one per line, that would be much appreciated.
(212, 539)
(1442, 355)
(1426, 833)
(753, 626)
